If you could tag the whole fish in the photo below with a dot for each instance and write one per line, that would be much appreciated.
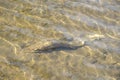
(57, 47)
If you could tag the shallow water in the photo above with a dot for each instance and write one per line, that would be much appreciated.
(27, 25)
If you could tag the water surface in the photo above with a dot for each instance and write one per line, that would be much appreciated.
(27, 25)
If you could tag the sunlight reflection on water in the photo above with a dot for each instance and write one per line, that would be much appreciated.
(27, 25)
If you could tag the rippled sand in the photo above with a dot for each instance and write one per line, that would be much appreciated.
(27, 25)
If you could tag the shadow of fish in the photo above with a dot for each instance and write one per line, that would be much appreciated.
(57, 47)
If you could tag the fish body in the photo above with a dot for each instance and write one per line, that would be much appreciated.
(57, 47)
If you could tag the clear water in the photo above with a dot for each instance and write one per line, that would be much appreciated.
(27, 25)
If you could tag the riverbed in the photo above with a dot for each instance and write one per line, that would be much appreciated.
(28, 25)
